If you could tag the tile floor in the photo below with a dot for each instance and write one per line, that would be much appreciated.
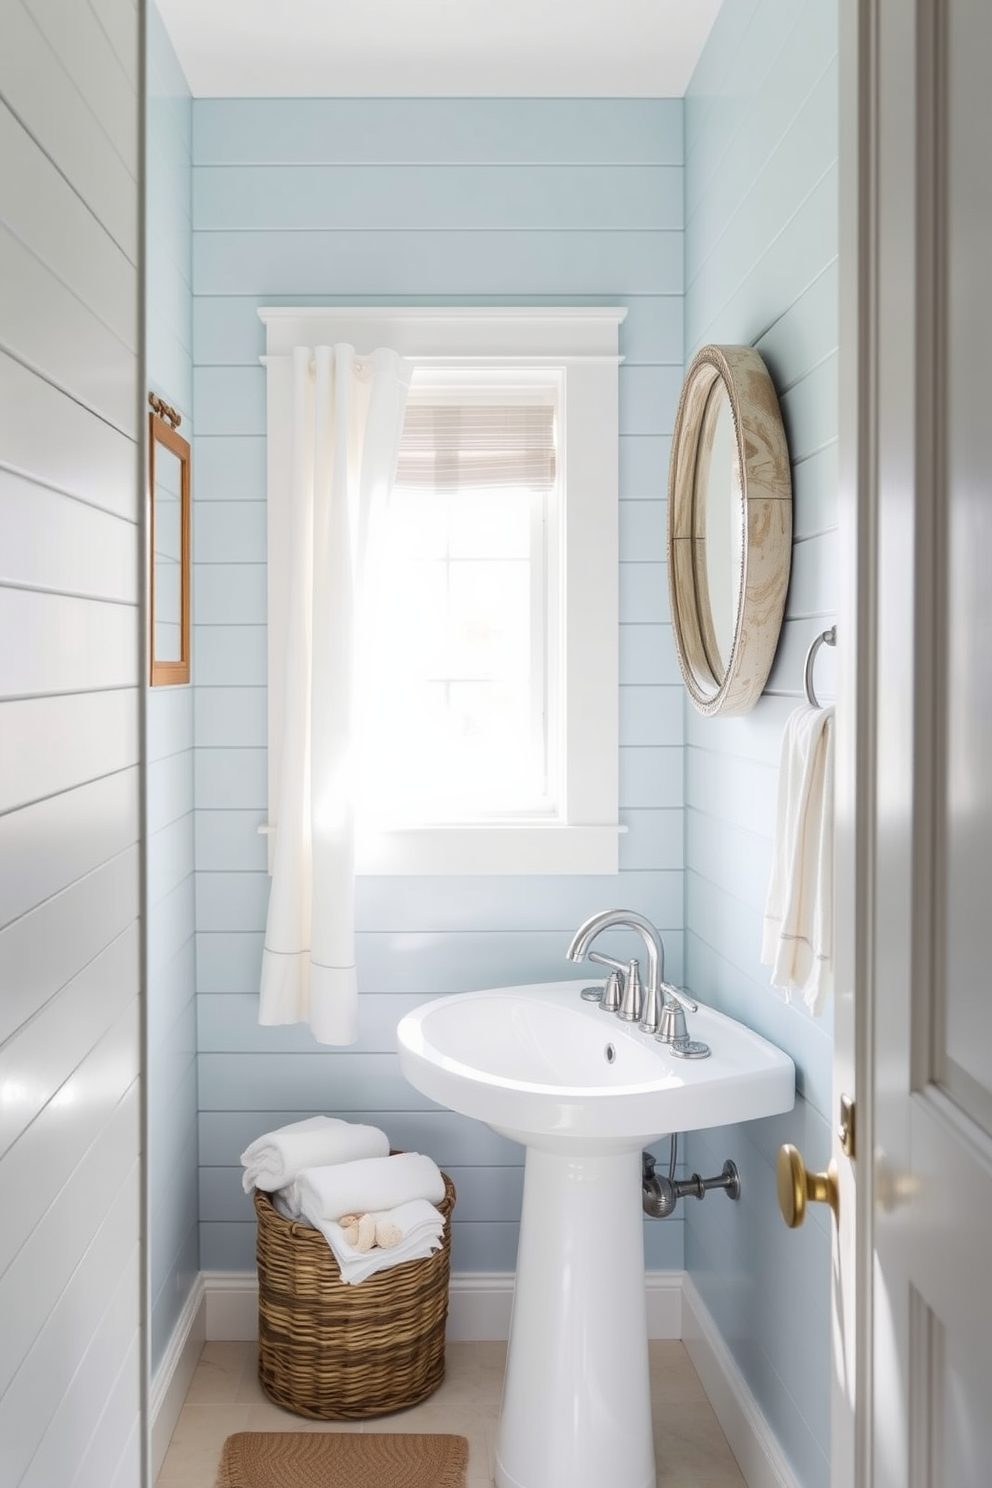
(225, 1396)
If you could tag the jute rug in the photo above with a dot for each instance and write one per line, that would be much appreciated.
(342, 1459)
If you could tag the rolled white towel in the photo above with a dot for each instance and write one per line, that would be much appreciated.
(373, 1183)
(273, 1160)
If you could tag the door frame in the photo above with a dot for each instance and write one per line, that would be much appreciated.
(854, 1053)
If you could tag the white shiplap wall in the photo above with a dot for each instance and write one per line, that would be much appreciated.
(70, 661)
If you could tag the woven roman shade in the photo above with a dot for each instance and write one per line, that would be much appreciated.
(448, 446)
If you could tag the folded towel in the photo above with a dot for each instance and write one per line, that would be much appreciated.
(390, 1227)
(420, 1227)
(798, 931)
(373, 1183)
(272, 1161)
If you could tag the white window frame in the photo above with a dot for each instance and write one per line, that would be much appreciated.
(580, 344)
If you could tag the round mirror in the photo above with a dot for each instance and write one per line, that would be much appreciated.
(729, 528)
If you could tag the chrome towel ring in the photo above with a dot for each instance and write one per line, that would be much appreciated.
(828, 638)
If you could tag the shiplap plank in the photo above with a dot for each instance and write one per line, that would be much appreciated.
(354, 1082)
(437, 263)
(229, 716)
(734, 789)
(647, 653)
(171, 998)
(119, 19)
(229, 593)
(57, 1141)
(40, 952)
(168, 790)
(809, 409)
(39, 1059)
(169, 718)
(54, 542)
(89, 459)
(227, 532)
(107, 84)
(170, 859)
(40, 207)
(390, 197)
(173, 1206)
(232, 778)
(79, 1251)
(48, 846)
(651, 715)
(105, 1460)
(34, 761)
(436, 130)
(815, 484)
(43, 95)
(651, 777)
(85, 1397)
(227, 840)
(65, 644)
(229, 1024)
(230, 469)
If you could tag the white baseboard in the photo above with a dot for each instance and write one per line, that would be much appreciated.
(759, 1456)
(171, 1380)
(479, 1304)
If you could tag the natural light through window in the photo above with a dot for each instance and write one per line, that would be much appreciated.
(457, 709)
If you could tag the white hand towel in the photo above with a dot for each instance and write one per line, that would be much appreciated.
(422, 1236)
(273, 1160)
(798, 931)
(372, 1184)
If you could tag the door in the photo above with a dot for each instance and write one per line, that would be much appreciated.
(915, 824)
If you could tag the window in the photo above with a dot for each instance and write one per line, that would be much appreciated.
(489, 704)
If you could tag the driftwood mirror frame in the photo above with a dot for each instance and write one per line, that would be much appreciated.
(760, 497)
(172, 668)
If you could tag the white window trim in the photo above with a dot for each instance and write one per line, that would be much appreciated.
(581, 342)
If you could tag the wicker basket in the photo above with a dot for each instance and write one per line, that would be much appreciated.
(333, 1351)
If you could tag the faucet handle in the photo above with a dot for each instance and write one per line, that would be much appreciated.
(669, 992)
(630, 1007)
(620, 966)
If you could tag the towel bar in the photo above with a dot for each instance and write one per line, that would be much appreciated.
(828, 638)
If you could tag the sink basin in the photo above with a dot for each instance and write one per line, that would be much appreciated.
(584, 1093)
(544, 1067)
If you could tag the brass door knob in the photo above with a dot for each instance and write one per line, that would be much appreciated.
(797, 1188)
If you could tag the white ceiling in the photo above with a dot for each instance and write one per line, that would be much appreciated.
(438, 48)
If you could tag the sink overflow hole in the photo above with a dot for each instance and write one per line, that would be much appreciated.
(611, 1054)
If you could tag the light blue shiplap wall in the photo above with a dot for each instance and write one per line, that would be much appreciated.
(761, 268)
(435, 201)
(71, 1284)
(172, 1138)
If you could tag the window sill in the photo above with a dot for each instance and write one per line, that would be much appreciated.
(491, 849)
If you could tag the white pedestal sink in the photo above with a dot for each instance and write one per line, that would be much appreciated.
(584, 1093)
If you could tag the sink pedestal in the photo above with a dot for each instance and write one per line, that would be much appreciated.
(576, 1399)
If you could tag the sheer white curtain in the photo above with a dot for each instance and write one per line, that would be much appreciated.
(347, 413)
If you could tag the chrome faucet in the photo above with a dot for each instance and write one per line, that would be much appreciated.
(659, 1010)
